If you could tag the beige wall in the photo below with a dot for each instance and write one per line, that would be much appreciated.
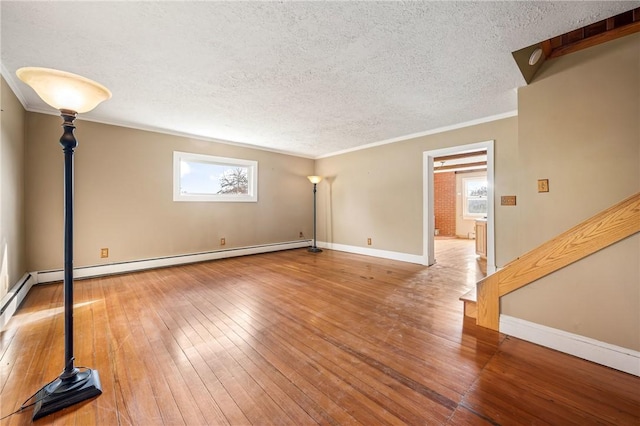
(12, 227)
(124, 199)
(377, 192)
(579, 126)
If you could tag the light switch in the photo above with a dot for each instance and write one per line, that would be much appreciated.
(543, 185)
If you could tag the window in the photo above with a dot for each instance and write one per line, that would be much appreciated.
(474, 204)
(198, 177)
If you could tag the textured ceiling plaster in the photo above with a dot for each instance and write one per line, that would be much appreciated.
(308, 78)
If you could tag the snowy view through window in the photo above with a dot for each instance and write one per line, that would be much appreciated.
(475, 194)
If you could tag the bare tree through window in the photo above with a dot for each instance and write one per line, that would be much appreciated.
(234, 181)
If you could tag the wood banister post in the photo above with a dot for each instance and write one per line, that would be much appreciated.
(488, 303)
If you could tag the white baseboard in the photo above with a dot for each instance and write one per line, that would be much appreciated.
(14, 298)
(613, 356)
(393, 255)
(138, 265)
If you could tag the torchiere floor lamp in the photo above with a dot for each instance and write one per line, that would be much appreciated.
(315, 180)
(71, 94)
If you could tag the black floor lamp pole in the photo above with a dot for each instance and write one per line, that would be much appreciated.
(69, 143)
(73, 385)
(314, 248)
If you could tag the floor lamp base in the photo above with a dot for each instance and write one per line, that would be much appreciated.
(314, 250)
(63, 393)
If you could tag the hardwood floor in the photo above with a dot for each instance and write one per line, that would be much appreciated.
(299, 338)
(460, 254)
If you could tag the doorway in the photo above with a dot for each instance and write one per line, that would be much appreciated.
(429, 254)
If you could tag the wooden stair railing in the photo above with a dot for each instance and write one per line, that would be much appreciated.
(608, 227)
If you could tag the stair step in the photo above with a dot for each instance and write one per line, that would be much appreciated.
(470, 303)
(469, 296)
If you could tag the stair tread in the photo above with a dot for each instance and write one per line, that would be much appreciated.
(469, 296)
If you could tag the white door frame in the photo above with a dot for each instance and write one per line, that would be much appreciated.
(428, 216)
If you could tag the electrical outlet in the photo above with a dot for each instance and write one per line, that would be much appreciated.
(104, 253)
(368, 241)
(223, 241)
(301, 234)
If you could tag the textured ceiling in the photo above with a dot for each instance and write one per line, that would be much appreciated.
(308, 78)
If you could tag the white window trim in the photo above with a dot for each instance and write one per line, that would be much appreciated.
(178, 157)
(465, 214)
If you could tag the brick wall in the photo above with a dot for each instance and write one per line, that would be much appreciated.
(444, 197)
